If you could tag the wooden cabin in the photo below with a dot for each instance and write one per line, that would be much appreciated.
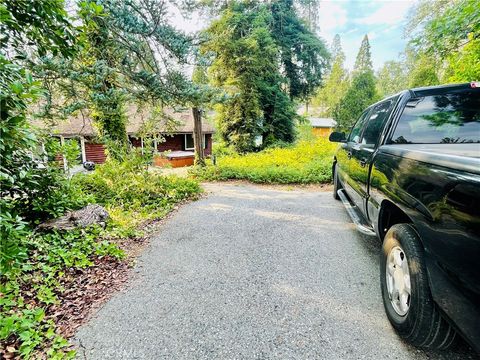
(171, 136)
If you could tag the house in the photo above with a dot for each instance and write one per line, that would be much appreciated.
(322, 126)
(175, 148)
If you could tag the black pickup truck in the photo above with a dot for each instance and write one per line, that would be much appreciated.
(409, 173)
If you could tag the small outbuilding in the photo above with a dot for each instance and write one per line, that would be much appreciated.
(322, 126)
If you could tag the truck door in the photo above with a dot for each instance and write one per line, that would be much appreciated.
(344, 154)
(362, 152)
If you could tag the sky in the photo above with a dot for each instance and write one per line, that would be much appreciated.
(382, 20)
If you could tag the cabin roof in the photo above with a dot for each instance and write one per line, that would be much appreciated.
(138, 122)
(322, 122)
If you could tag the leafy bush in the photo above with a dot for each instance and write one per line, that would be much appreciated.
(304, 162)
(132, 194)
(36, 266)
(30, 288)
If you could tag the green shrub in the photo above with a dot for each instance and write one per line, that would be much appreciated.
(47, 194)
(27, 290)
(132, 194)
(304, 162)
(35, 265)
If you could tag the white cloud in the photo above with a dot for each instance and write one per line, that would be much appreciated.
(389, 12)
(350, 31)
(332, 16)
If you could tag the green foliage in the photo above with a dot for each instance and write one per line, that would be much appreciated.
(47, 194)
(391, 78)
(303, 55)
(245, 66)
(303, 163)
(70, 150)
(41, 26)
(36, 284)
(359, 96)
(444, 42)
(424, 73)
(363, 62)
(29, 30)
(249, 45)
(30, 191)
(132, 194)
(464, 65)
(336, 84)
(100, 59)
(449, 28)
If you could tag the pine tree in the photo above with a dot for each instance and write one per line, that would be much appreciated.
(392, 78)
(303, 55)
(264, 57)
(336, 84)
(362, 91)
(336, 49)
(363, 62)
(359, 96)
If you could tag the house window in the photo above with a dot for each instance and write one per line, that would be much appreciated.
(189, 144)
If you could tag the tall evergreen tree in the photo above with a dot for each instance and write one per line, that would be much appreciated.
(362, 91)
(244, 65)
(363, 62)
(336, 84)
(310, 14)
(264, 57)
(359, 96)
(391, 78)
(336, 49)
(304, 57)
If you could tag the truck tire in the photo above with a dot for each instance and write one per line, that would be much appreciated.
(406, 294)
(336, 183)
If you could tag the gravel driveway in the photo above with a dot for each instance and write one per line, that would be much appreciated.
(251, 272)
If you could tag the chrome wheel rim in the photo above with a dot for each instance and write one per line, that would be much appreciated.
(398, 280)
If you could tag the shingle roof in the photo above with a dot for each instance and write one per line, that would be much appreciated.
(138, 121)
(322, 122)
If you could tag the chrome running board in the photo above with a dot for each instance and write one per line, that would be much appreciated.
(355, 215)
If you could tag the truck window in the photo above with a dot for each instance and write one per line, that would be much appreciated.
(376, 122)
(358, 127)
(439, 119)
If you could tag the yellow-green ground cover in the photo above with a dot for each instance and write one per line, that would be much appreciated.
(306, 162)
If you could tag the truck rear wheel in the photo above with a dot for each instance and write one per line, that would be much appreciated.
(406, 294)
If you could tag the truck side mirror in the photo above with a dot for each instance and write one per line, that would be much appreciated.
(337, 136)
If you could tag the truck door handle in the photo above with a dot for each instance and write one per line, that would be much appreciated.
(349, 154)
(363, 162)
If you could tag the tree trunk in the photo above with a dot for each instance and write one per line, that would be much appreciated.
(198, 137)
